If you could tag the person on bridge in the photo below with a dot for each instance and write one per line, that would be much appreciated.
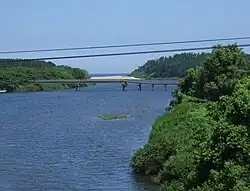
(124, 85)
(77, 87)
(139, 85)
(165, 86)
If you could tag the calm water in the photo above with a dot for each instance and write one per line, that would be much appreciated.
(55, 141)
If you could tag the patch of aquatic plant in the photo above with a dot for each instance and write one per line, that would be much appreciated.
(113, 116)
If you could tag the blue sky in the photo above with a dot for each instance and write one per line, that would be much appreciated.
(42, 24)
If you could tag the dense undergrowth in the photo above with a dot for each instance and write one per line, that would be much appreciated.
(202, 143)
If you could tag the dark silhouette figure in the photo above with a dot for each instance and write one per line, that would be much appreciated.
(165, 86)
(153, 87)
(77, 87)
(139, 85)
(124, 86)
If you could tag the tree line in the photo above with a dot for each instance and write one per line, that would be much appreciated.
(18, 74)
(202, 142)
(13, 63)
(170, 67)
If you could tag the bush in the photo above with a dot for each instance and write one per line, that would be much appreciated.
(170, 153)
(202, 143)
(218, 75)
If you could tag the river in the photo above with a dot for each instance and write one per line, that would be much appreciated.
(55, 141)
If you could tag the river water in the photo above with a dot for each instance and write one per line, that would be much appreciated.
(55, 140)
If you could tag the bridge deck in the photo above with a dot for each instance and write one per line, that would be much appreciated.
(101, 81)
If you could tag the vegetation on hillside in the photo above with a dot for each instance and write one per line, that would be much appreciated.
(13, 63)
(170, 67)
(202, 143)
(18, 75)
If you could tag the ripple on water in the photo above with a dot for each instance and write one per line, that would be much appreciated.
(55, 141)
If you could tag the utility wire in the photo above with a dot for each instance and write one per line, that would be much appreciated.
(123, 45)
(127, 53)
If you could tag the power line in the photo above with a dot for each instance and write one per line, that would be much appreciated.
(128, 53)
(123, 45)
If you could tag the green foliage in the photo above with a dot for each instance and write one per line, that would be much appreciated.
(169, 67)
(235, 108)
(176, 66)
(170, 153)
(112, 116)
(18, 77)
(13, 63)
(217, 75)
(202, 143)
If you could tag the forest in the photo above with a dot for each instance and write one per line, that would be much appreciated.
(202, 142)
(170, 67)
(18, 75)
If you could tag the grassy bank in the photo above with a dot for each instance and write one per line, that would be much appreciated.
(170, 151)
(42, 87)
(202, 143)
(35, 88)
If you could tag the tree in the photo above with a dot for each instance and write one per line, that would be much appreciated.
(18, 74)
(167, 67)
(203, 142)
(218, 73)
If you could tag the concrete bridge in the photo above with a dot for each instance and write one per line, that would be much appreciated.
(123, 81)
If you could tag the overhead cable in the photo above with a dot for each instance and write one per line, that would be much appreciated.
(129, 53)
(124, 45)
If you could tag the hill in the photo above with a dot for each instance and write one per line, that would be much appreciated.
(170, 67)
(17, 74)
(13, 63)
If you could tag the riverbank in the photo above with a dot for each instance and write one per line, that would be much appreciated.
(202, 142)
(114, 78)
(43, 87)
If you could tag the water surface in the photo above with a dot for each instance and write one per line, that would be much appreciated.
(55, 141)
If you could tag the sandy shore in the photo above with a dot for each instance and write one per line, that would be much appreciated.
(114, 78)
